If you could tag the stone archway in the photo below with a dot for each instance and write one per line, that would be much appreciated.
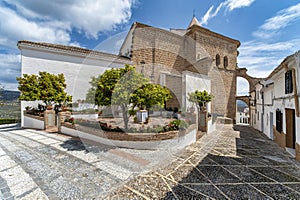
(245, 99)
(243, 113)
(242, 72)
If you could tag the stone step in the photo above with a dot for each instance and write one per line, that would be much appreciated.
(224, 120)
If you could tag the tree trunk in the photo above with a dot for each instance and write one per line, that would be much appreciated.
(125, 116)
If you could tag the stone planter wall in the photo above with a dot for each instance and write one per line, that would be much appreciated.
(168, 140)
(85, 116)
(32, 121)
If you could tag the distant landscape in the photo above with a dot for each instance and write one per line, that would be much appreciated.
(10, 107)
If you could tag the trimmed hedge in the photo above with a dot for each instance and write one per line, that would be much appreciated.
(8, 121)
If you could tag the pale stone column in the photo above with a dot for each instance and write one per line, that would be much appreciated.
(49, 117)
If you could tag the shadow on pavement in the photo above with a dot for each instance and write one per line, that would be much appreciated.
(77, 144)
(260, 169)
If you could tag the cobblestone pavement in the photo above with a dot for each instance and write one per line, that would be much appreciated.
(235, 163)
(40, 165)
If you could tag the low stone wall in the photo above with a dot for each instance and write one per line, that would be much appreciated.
(297, 146)
(279, 138)
(85, 116)
(168, 140)
(32, 121)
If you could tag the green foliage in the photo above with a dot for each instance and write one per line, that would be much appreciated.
(200, 98)
(90, 96)
(176, 125)
(8, 121)
(70, 120)
(116, 87)
(132, 112)
(149, 95)
(126, 88)
(49, 88)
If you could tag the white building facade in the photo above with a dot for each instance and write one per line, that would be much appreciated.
(78, 65)
(275, 110)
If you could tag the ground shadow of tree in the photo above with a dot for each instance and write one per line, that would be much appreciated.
(78, 144)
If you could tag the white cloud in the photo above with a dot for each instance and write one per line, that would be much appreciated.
(260, 58)
(208, 15)
(281, 20)
(234, 4)
(53, 21)
(229, 5)
(88, 16)
(15, 27)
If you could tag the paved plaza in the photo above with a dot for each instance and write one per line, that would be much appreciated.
(232, 163)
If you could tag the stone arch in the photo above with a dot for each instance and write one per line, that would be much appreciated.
(242, 72)
(245, 99)
(243, 115)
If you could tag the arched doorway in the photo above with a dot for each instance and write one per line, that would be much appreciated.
(242, 101)
(242, 112)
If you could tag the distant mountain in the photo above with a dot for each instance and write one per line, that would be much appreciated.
(7, 95)
(241, 105)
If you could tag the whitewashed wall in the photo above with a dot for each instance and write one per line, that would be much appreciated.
(191, 82)
(258, 109)
(77, 69)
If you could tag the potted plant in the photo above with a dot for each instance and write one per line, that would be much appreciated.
(200, 99)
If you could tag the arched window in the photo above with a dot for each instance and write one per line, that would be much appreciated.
(225, 61)
(217, 60)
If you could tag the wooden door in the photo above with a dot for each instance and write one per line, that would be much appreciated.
(290, 128)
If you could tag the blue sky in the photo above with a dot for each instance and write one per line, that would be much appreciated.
(268, 30)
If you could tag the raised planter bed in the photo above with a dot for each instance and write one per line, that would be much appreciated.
(167, 140)
(84, 115)
(33, 121)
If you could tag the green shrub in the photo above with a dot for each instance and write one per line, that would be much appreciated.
(8, 121)
(132, 112)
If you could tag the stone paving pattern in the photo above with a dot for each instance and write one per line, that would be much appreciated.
(40, 165)
(233, 163)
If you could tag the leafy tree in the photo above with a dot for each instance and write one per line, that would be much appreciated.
(200, 98)
(126, 88)
(90, 96)
(49, 88)
(149, 95)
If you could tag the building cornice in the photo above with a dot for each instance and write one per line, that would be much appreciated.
(194, 28)
(70, 50)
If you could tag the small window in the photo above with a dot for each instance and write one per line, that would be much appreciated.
(289, 82)
(257, 95)
(225, 62)
(217, 60)
(258, 116)
(279, 120)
